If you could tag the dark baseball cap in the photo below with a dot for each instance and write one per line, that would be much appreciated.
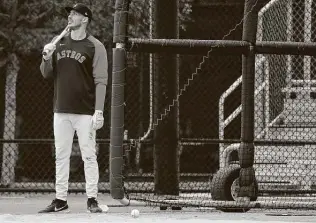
(81, 8)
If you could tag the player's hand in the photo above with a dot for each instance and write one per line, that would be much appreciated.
(97, 120)
(49, 49)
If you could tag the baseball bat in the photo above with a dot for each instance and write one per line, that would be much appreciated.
(58, 38)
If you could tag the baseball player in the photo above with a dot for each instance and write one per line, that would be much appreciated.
(78, 64)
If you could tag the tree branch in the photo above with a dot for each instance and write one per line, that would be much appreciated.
(15, 61)
(4, 18)
(4, 60)
(14, 13)
(36, 21)
(6, 37)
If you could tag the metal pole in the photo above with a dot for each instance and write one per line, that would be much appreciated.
(246, 150)
(117, 100)
(166, 158)
(307, 38)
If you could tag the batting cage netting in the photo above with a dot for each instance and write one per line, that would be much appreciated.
(220, 123)
(209, 104)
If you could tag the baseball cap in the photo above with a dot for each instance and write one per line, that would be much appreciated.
(81, 8)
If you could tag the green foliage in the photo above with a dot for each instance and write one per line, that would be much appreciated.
(27, 25)
(139, 17)
(185, 11)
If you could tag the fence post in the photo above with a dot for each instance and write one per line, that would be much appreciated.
(246, 150)
(166, 135)
(117, 100)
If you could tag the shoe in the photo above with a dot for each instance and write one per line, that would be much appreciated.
(56, 206)
(92, 205)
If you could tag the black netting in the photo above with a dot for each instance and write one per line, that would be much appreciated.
(206, 110)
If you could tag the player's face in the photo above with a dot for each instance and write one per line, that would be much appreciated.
(75, 19)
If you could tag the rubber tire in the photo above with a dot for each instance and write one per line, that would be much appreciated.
(221, 187)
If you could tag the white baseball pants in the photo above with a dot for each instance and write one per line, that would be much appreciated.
(65, 126)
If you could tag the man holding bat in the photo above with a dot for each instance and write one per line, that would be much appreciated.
(78, 63)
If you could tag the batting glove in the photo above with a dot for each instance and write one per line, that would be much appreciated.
(97, 120)
(49, 49)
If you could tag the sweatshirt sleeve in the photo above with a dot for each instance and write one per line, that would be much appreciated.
(46, 68)
(100, 74)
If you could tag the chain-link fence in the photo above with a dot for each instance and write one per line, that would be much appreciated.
(202, 108)
(287, 100)
(186, 108)
(26, 131)
(198, 105)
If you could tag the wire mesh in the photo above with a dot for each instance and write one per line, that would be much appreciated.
(202, 80)
(283, 117)
(286, 104)
(27, 145)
